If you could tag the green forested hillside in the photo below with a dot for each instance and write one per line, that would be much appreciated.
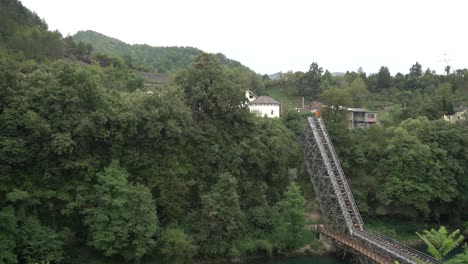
(166, 59)
(95, 167)
(160, 59)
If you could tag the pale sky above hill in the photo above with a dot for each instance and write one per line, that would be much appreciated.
(272, 36)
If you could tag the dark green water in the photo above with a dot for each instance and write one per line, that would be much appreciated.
(297, 260)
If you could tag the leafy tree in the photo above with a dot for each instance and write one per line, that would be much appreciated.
(222, 220)
(260, 215)
(290, 228)
(176, 246)
(336, 99)
(359, 93)
(38, 243)
(416, 70)
(440, 242)
(8, 232)
(447, 69)
(312, 82)
(444, 98)
(295, 121)
(412, 173)
(384, 79)
(121, 216)
(210, 94)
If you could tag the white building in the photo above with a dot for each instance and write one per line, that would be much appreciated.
(263, 105)
(459, 114)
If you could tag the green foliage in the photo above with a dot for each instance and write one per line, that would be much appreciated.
(290, 228)
(222, 220)
(8, 232)
(248, 247)
(210, 94)
(163, 59)
(336, 99)
(440, 242)
(400, 229)
(38, 243)
(66, 113)
(417, 163)
(383, 79)
(415, 167)
(176, 246)
(160, 59)
(121, 217)
(37, 43)
(295, 121)
(407, 170)
(14, 17)
(461, 258)
(312, 82)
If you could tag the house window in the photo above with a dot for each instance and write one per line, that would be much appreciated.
(272, 111)
(370, 115)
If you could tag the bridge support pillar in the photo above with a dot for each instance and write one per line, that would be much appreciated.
(327, 243)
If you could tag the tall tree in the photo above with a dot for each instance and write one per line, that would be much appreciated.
(210, 94)
(416, 70)
(412, 171)
(121, 216)
(336, 99)
(290, 228)
(8, 232)
(38, 243)
(359, 93)
(176, 246)
(222, 220)
(384, 79)
(312, 82)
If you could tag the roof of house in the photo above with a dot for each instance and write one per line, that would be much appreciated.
(360, 110)
(315, 105)
(264, 100)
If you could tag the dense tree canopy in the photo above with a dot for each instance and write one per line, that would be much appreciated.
(95, 164)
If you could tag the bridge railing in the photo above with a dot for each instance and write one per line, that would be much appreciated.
(315, 131)
(409, 252)
(357, 245)
(341, 174)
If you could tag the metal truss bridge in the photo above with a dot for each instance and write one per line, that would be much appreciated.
(345, 226)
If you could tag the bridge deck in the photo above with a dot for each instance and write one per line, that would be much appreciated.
(354, 244)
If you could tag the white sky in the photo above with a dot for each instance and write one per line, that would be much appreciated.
(272, 36)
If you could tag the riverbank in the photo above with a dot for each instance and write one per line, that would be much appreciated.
(313, 247)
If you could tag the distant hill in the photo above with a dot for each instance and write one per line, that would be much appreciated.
(338, 74)
(275, 76)
(14, 17)
(158, 59)
(23, 31)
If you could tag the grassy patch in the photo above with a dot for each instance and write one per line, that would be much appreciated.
(288, 102)
(401, 230)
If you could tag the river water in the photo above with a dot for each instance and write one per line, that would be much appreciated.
(297, 260)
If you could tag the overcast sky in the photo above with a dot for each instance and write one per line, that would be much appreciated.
(272, 36)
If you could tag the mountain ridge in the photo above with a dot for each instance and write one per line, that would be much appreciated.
(162, 59)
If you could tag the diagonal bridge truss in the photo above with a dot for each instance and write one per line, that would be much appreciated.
(345, 225)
